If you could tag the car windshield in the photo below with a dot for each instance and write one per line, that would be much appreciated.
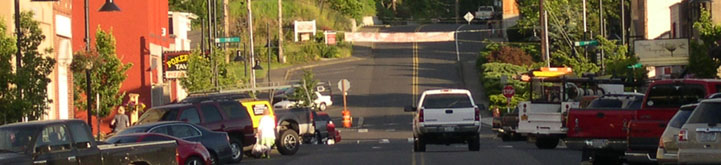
(709, 112)
(681, 116)
(160, 114)
(16, 139)
(447, 101)
(674, 95)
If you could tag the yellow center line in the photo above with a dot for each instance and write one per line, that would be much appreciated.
(414, 88)
(413, 158)
(423, 159)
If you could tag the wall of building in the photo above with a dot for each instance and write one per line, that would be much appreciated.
(659, 18)
(140, 31)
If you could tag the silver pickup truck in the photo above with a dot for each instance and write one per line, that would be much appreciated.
(70, 142)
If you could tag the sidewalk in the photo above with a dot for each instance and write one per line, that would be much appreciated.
(471, 81)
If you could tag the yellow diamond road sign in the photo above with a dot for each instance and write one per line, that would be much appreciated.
(468, 17)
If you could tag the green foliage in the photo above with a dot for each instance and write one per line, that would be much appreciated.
(200, 72)
(354, 8)
(29, 98)
(306, 92)
(106, 75)
(700, 63)
(709, 32)
(617, 60)
(7, 93)
(490, 76)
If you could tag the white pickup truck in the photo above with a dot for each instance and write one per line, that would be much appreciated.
(485, 12)
(446, 116)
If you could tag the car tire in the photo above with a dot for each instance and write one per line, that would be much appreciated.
(236, 147)
(322, 107)
(194, 161)
(506, 137)
(214, 159)
(474, 144)
(419, 145)
(288, 142)
(546, 142)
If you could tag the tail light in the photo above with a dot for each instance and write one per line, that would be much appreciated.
(177, 156)
(420, 115)
(478, 114)
(683, 135)
(660, 144)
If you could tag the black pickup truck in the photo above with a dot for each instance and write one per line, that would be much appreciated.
(70, 142)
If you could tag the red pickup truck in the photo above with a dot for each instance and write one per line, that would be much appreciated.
(634, 134)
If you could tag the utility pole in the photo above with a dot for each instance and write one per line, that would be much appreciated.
(544, 35)
(623, 22)
(585, 29)
(457, 17)
(225, 19)
(211, 40)
(603, 33)
(252, 53)
(281, 57)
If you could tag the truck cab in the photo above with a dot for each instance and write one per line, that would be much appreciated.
(663, 99)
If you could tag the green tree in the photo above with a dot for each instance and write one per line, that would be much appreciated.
(32, 77)
(200, 72)
(306, 92)
(106, 75)
(7, 93)
(700, 63)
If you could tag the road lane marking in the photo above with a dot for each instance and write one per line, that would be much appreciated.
(505, 146)
(415, 68)
(390, 130)
(423, 159)
(413, 157)
(376, 147)
(362, 130)
(384, 141)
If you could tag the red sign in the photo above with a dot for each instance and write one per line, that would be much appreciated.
(508, 91)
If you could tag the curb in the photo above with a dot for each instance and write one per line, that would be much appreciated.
(331, 62)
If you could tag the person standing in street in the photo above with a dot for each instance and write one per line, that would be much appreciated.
(120, 121)
(266, 132)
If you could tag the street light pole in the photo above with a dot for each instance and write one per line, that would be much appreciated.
(252, 53)
(267, 39)
(108, 6)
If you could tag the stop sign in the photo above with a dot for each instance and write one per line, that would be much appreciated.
(508, 91)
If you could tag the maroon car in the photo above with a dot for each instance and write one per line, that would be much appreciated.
(188, 153)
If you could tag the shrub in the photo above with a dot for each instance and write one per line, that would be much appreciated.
(512, 55)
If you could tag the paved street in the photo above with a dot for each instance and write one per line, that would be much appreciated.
(382, 83)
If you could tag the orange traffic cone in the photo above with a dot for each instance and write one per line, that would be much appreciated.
(347, 120)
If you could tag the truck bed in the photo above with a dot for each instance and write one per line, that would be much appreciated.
(598, 123)
(162, 152)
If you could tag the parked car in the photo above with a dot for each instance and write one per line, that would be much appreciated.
(667, 151)
(71, 142)
(321, 102)
(217, 143)
(189, 153)
(699, 140)
(228, 116)
(446, 116)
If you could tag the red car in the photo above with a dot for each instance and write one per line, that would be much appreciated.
(187, 153)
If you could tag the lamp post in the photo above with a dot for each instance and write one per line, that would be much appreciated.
(109, 6)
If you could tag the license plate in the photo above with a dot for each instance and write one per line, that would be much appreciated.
(707, 137)
(449, 129)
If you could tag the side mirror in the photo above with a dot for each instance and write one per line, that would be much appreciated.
(409, 109)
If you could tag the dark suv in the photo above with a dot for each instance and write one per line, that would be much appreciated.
(217, 115)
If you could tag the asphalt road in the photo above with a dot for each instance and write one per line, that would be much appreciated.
(383, 81)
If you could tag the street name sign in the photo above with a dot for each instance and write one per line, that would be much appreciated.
(227, 39)
(585, 43)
